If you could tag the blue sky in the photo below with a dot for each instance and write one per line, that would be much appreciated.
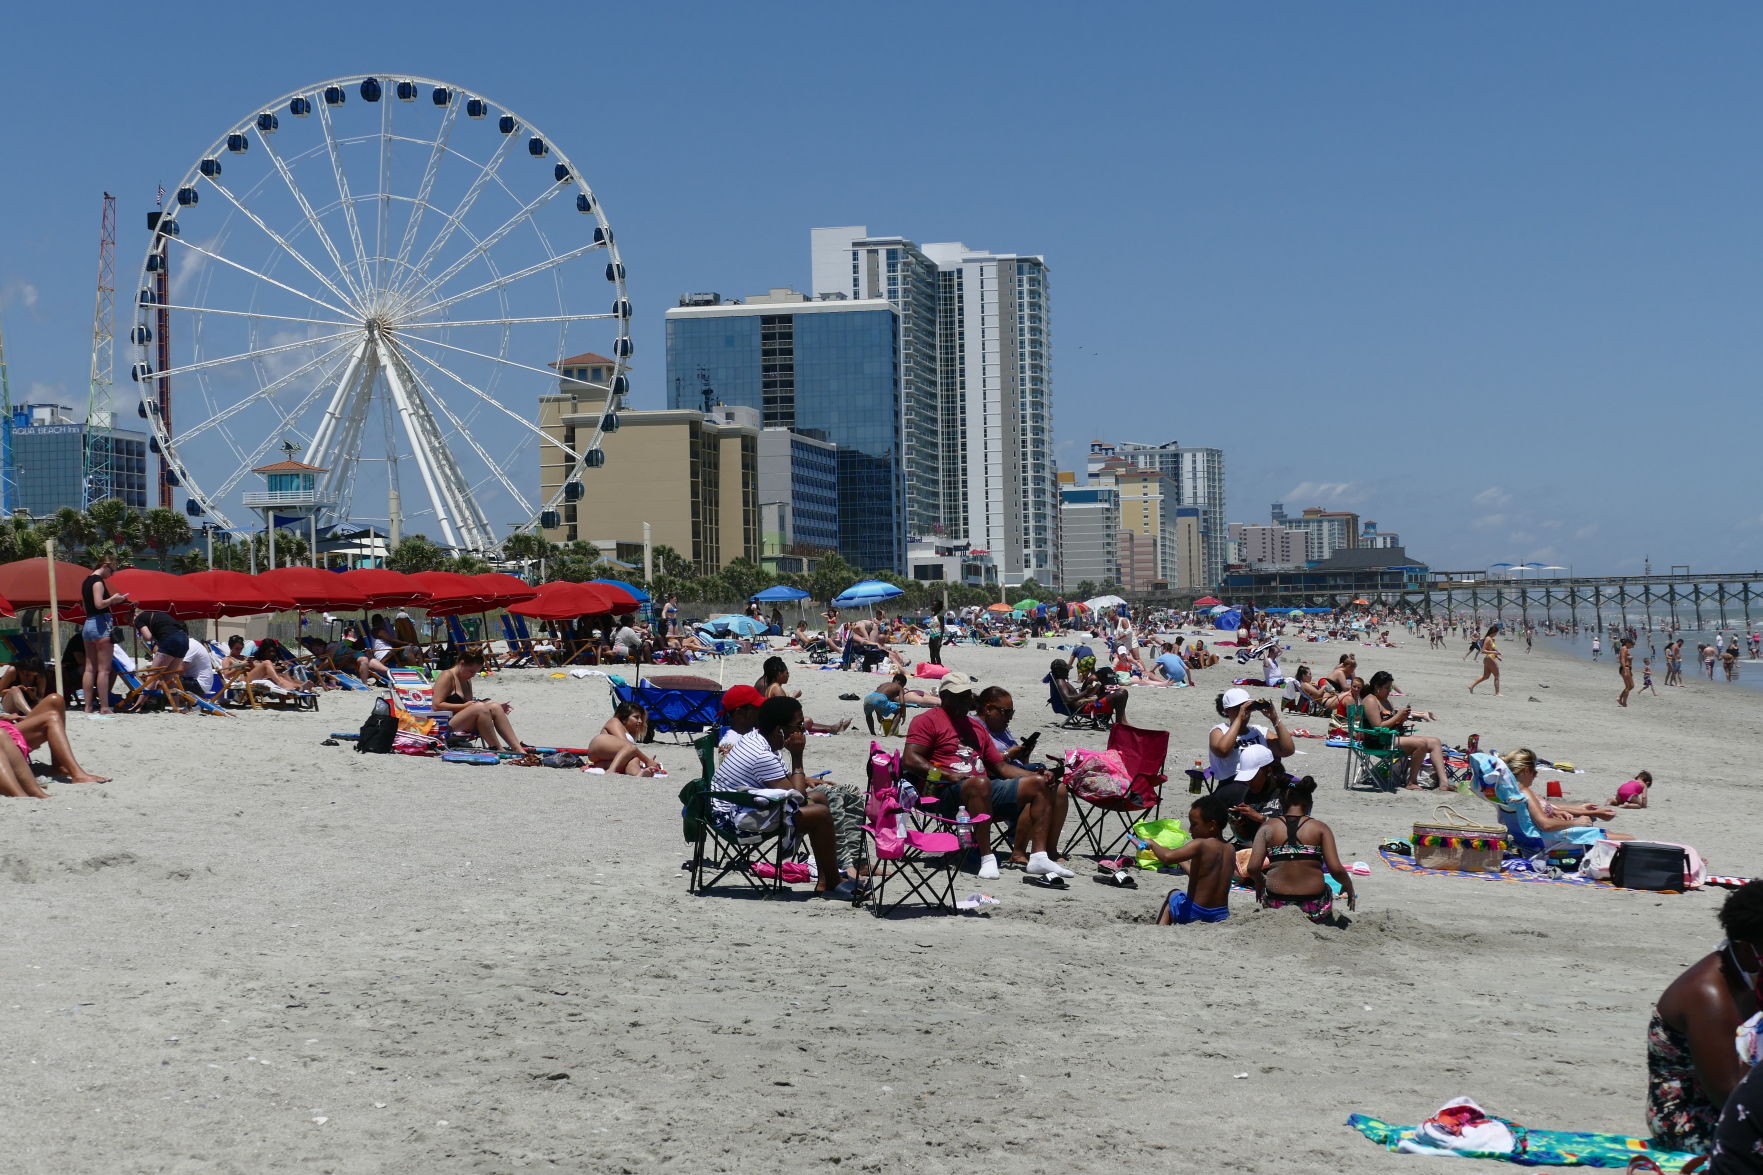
(1490, 274)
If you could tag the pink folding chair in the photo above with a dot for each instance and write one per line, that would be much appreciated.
(921, 852)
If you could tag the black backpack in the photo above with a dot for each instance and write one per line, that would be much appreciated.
(378, 730)
(1643, 865)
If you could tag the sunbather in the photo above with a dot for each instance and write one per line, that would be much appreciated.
(45, 724)
(471, 715)
(1549, 816)
(615, 748)
(17, 781)
(239, 667)
(1692, 1067)
(1380, 712)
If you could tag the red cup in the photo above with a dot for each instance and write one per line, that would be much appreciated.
(1553, 789)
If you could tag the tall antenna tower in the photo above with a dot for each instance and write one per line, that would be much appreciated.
(100, 472)
(8, 474)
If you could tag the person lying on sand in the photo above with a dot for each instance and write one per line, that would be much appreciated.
(1208, 861)
(615, 748)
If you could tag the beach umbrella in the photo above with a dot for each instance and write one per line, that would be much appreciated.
(740, 625)
(312, 589)
(1366, 602)
(26, 582)
(1105, 602)
(998, 607)
(1227, 621)
(867, 591)
(233, 593)
(383, 588)
(159, 591)
(562, 600)
(637, 595)
(501, 589)
(450, 593)
(1025, 605)
(1294, 614)
(778, 595)
(1220, 610)
(1207, 601)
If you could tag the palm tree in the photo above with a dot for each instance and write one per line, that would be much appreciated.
(163, 530)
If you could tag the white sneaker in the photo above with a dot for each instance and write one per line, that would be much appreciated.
(988, 867)
(1041, 865)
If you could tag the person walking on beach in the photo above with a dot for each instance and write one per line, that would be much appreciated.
(1597, 648)
(1647, 677)
(1625, 666)
(1490, 661)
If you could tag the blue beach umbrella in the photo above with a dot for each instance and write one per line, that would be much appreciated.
(1228, 621)
(739, 625)
(778, 595)
(866, 592)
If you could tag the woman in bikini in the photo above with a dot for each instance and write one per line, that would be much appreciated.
(1692, 1066)
(1287, 860)
(469, 715)
(615, 748)
(1490, 661)
(1380, 712)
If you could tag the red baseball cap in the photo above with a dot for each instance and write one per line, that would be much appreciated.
(741, 695)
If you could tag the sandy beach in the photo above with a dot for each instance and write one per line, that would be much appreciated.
(254, 953)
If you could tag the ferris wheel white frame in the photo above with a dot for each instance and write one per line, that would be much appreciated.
(374, 306)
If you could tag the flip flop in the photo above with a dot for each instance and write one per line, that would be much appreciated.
(1053, 882)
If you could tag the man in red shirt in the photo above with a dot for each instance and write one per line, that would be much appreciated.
(952, 742)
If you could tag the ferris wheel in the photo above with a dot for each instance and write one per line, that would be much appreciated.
(383, 274)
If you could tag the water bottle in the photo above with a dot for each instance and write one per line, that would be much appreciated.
(963, 833)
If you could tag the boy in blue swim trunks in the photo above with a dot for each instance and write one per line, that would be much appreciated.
(890, 698)
(1209, 862)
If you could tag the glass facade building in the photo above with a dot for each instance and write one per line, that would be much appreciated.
(825, 368)
(814, 494)
(49, 467)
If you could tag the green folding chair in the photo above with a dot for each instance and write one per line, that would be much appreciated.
(1371, 751)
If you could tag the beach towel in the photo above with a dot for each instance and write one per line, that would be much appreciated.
(1540, 1148)
(1403, 864)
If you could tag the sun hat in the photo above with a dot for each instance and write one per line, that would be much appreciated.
(741, 695)
(1252, 759)
(955, 683)
(1234, 698)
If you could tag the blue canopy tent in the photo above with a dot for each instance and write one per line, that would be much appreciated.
(778, 595)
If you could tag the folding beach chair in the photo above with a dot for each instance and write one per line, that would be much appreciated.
(1371, 752)
(919, 852)
(736, 853)
(162, 688)
(672, 709)
(520, 649)
(415, 650)
(1091, 715)
(1104, 825)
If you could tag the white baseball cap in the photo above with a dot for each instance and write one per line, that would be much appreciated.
(1251, 760)
(1234, 698)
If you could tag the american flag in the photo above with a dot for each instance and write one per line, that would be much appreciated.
(161, 200)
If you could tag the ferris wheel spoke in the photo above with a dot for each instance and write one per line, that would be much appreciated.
(271, 437)
(318, 229)
(305, 263)
(427, 186)
(348, 410)
(454, 218)
(509, 279)
(456, 510)
(204, 364)
(262, 393)
(349, 217)
(267, 317)
(548, 374)
(488, 242)
(543, 436)
(381, 198)
(466, 435)
(444, 323)
(213, 256)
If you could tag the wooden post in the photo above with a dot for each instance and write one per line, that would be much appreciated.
(55, 621)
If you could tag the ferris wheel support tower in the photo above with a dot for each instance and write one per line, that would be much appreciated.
(99, 478)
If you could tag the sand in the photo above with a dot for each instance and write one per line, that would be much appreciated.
(254, 953)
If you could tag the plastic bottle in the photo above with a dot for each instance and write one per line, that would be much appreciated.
(962, 832)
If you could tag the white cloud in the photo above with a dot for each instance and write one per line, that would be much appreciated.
(1337, 493)
(1487, 522)
(1492, 496)
(19, 293)
(1521, 536)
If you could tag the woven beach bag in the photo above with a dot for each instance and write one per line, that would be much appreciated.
(1454, 842)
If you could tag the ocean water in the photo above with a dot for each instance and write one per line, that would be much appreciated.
(1750, 673)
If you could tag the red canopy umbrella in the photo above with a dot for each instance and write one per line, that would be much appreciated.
(507, 589)
(26, 582)
(562, 600)
(233, 593)
(382, 588)
(450, 593)
(313, 589)
(1207, 602)
(158, 590)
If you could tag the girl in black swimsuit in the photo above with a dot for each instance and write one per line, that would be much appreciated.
(1287, 860)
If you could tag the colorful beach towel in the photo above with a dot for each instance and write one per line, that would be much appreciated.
(1543, 1148)
(1403, 864)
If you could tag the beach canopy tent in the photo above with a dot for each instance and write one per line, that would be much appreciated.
(383, 588)
(563, 600)
(26, 582)
(778, 595)
(233, 593)
(314, 590)
(1207, 601)
(635, 594)
(867, 591)
(739, 625)
(1099, 602)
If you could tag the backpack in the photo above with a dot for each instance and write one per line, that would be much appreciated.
(379, 730)
(1097, 775)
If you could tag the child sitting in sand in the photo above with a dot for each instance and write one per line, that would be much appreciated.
(1633, 794)
(1209, 862)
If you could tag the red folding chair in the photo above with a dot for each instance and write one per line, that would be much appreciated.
(1104, 825)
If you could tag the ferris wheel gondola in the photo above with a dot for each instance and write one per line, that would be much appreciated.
(387, 283)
